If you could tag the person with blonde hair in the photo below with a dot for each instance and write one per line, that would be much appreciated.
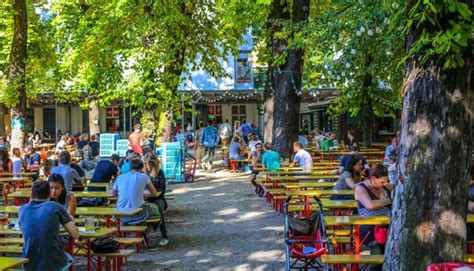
(157, 177)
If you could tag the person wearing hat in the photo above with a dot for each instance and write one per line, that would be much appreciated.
(104, 171)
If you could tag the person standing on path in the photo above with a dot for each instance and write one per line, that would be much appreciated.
(199, 147)
(136, 139)
(209, 141)
(225, 132)
(246, 129)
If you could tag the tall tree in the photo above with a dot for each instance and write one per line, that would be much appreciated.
(287, 68)
(17, 73)
(351, 48)
(429, 210)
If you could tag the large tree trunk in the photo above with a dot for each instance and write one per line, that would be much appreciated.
(367, 113)
(164, 127)
(268, 107)
(16, 78)
(94, 115)
(287, 80)
(429, 210)
(3, 132)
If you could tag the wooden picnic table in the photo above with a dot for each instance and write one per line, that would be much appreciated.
(11, 262)
(312, 172)
(22, 174)
(78, 194)
(86, 211)
(327, 204)
(286, 169)
(13, 179)
(317, 193)
(301, 185)
(304, 177)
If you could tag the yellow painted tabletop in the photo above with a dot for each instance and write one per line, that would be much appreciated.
(352, 259)
(329, 204)
(356, 220)
(312, 172)
(96, 184)
(329, 167)
(8, 174)
(14, 179)
(98, 211)
(100, 232)
(10, 262)
(78, 194)
(308, 185)
(304, 177)
(317, 193)
(106, 211)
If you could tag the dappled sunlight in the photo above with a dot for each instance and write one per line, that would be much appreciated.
(193, 253)
(452, 223)
(425, 232)
(250, 215)
(455, 97)
(204, 260)
(218, 194)
(224, 254)
(451, 132)
(229, 211)
(265, 256)
(274, 228)
(421, 128)
(184, 190)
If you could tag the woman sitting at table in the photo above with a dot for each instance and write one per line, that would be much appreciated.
(373, 199)
(349, 178)
(157, 177)
(235, 149)
(60, 195)
(5, 162)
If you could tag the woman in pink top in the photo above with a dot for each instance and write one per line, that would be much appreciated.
(136, 139)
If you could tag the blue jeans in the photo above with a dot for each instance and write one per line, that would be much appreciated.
(70, 260)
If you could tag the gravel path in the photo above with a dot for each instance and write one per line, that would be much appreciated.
(216, 223)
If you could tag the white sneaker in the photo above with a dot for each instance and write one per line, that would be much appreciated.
(163, 242)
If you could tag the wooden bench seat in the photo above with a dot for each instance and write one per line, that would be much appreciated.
(153, 220)
(342, 240)
(129, 241)
(352, 259)
(11, 250)
(338, 232)
(118, 253)
(11, 241)
(131, 229)
(368, 259)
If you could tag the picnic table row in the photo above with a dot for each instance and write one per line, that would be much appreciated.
(301, 188)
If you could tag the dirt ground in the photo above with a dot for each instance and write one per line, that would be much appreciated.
(216, 223)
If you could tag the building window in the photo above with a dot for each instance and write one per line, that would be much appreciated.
(214, 112)
(239, 113)
(112, 119)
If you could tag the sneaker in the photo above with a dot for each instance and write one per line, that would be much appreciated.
(163, 242)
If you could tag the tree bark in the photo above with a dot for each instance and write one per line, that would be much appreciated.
(94, 116)
(3, 132)
(367, 113)
(429, 210)
(16, 78)
(268, 107)
(287, 79)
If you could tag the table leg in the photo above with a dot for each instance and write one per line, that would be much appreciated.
(88, 246)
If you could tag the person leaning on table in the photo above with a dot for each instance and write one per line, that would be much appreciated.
(373, 199)
(39, 222)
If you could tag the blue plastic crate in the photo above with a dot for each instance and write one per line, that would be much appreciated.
(106, 153)
(107, 147)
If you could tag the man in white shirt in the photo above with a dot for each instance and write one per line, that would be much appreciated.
(318, 138)
(254, 141)
(225, 131)
(302, 157)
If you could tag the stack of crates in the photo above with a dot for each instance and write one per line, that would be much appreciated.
(122, 147)
(107, 144)
(172, 160)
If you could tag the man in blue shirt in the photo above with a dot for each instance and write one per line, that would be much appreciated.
(32, 158)
(39, 223)
(391, 153)
(246, 129)
(64, 169)
(271, 158)
(209, 140)
(104, 171)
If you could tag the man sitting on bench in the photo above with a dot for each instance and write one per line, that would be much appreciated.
(39, 223)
